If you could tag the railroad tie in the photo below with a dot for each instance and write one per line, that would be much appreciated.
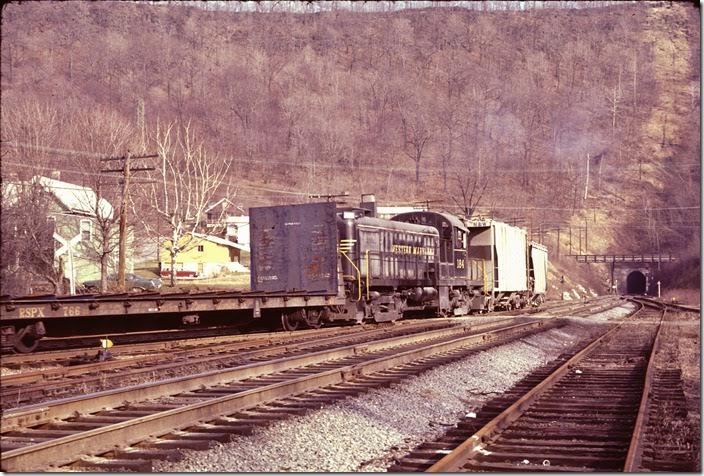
(138, 465)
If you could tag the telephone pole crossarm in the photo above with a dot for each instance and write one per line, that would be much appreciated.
(150, 156)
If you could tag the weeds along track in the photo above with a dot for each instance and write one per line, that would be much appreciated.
(35, 386)
(127, 428)
(669, 437)
(582, 412)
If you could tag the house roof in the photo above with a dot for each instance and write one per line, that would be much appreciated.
(222, 241)
(215, 204)
(73, 198)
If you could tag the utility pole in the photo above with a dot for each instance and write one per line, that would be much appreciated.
(558, 241)
(126, 172)
(580, 240)
(586, 183)
(123, 223)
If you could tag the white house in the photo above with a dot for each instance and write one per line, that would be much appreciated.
(74, 211)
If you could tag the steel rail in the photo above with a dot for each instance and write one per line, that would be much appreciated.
(454, 461)
(169, 345)
(43, 413)
(276, 342)
(241, 357)
(65, 449)
(635, 450)
(675, 306)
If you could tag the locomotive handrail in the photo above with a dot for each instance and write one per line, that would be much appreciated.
(359, 275)
(368, 276)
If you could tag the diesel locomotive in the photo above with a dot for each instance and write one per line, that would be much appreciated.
(375, 269)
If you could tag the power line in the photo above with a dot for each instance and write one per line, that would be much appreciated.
(328, 165)
(52, 150)
(304, 194)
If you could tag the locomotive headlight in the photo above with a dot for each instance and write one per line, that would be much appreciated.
(348, 215)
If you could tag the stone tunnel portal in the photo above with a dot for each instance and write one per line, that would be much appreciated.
(635, 283)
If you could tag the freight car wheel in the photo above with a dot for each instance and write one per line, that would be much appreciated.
(313, 319)
(292, 321)
(25, 342)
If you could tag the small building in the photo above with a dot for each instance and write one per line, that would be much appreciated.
(238, 229)
(204, 256)
(75, 213)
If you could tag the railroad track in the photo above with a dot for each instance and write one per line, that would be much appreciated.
(63, 381)
(174, 343)
(101, 430)
(66, 376)
(52, 350)
(582, 309)
(579, 413)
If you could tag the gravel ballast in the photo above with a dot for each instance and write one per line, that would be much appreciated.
(368, 432)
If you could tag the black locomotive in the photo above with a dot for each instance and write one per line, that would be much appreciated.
(377, 269)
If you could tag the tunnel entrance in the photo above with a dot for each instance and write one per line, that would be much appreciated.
(635, 283)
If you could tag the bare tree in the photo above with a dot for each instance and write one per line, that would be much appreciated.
(187, 179)
(27, 246)
(105, 133)
(471, 190)
(416, 133)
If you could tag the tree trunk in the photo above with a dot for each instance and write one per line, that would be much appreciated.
(173, 251)
(173, 266)
(104, 272)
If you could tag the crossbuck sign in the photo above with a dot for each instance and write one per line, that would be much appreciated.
(67, 246)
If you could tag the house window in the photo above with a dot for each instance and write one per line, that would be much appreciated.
(200, 248)
(86, 230)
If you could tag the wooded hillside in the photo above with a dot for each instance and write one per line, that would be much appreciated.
(410, 105)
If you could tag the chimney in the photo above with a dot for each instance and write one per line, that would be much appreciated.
(55, 174)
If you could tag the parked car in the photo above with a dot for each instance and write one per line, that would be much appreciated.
(133, 283)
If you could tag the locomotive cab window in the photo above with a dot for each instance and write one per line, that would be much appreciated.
(446, 243)
(460, 239)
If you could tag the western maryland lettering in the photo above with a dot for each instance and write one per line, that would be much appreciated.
(413, 250)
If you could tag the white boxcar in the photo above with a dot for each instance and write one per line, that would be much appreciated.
(539, 267)
(511, 268)
(503, 249)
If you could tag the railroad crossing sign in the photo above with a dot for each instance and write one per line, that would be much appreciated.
(67, 246)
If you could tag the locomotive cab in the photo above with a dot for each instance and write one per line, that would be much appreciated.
(452, 282)
(388, 267)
